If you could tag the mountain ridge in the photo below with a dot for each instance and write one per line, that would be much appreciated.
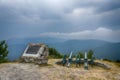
(102, 49)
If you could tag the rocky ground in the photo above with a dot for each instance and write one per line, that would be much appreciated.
(52, 71)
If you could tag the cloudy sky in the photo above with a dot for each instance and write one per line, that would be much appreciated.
(71, 19)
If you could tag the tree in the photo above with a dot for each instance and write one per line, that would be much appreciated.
(3, 51)
(90, 53)
(81, 55)
(53, 53)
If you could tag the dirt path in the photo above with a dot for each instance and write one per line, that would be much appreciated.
(27, 71)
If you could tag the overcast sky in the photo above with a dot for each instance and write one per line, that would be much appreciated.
(71, 19)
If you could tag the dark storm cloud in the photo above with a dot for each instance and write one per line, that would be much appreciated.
(109, 6)
(111, 20)
(65, 16)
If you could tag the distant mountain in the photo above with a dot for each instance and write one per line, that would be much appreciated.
(78, 45)
(15, 51)
(34, 40)
(109, 51)
(17, 46)
(102, 49)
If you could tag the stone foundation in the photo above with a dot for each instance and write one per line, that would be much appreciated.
(34, 60)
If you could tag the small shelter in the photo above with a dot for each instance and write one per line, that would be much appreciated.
(36, 52)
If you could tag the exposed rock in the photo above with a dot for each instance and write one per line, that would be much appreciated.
(19, 71)
(29, 71)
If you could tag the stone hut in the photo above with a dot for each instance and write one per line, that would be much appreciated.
(36, 53)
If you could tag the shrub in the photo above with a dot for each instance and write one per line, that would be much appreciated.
(53, 53)
(3, 51)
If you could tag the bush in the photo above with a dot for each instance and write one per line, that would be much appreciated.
(105, 59)
(53, 53)
(81, 55)
(90, 54)
(118, 61)
(3, 51)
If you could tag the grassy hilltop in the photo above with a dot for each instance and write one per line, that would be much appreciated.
(52, 71)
